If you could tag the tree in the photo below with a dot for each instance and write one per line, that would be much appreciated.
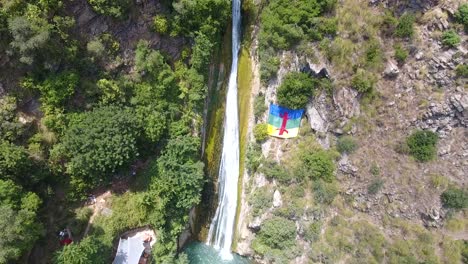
(295, 91)
(18, 221)
(10, 127)
(180, 173)
(97, 143)
(88, 250)
(30, 33)
(14, 163)
(57, 88)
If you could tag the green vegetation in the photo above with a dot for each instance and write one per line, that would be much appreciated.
(455, 198)
(254, 157)
(113, 8)
(285, 23)
(400, 53)
(295, 91)
(375, 186)
(462, 70)
(364, 81)
(316, 164)
(89, 250)
(450, 39)
(161, 24)
(276, 239)
(97, 143)
(422, 145)
(260, 132)
(346, 144)
(461, 15)
(273, 170)
(18, 220)
(261, 200)
(259, 106)
(405, 26)
(93, 114)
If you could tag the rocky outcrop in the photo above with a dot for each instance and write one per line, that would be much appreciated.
(443, 117)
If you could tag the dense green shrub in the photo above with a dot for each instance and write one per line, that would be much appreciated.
(160, 24)
(462, 70)
(363, 81)
(292, 209)
(278, 233)
(10, 127)
(98, 143)
(324, 192)
(455, 198)
(89, 250)
(96, 48)
(254, 157)
(405, 26)
(14, 163)
(400, 53)
(273, 170)
(261, 132)
(113, 8)
(450, 39)
(270, 64)
(375, 186)
(261, 200)
(461, 15)
(31, 34)
(346, 144)
(57, 88)
(316, 164)
(295, 91)
(18, 221)
(422, 145)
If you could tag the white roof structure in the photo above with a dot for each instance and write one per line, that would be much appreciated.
(131, 247)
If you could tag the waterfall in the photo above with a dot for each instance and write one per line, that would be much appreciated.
(222, 226)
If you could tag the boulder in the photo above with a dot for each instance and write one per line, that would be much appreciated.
(316, 121)
(255, 224)
(277, 201)
(391, 70)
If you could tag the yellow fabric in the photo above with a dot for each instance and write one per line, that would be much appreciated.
(274, 131)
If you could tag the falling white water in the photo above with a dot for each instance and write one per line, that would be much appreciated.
(222, 225)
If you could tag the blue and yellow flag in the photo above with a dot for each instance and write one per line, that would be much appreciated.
(284, 122)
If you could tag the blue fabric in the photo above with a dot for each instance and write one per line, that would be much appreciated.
(276, 110)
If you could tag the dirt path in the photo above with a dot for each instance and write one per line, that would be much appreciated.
(97, 208)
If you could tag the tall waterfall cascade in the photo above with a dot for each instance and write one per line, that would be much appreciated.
(222, 226)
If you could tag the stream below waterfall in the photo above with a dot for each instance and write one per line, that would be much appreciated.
(201, 253)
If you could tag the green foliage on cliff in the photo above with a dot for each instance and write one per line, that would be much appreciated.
(286, 23)
(296, 90)
(18, 221)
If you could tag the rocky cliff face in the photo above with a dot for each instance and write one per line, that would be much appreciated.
(423, 93)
